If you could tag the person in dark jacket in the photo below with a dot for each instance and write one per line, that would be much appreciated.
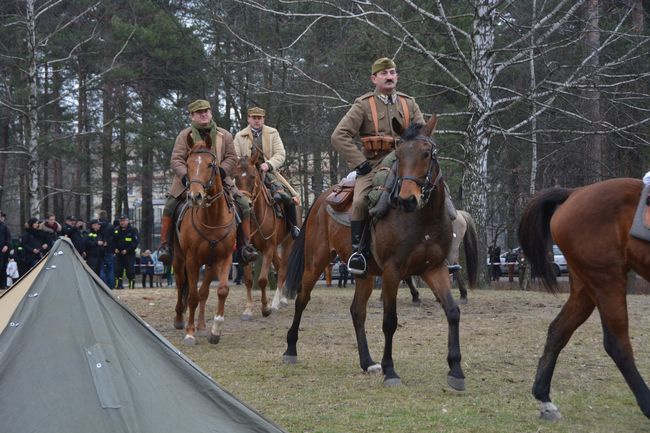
(95, 246)
(107, 271)
(33, 246)
(125, 240)
(5, 239)
(71, 231)
(146, 268)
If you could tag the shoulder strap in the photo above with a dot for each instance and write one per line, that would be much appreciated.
(405, 108)
(373, 112)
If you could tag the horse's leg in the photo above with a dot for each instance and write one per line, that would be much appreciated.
(358, 309)
(222, 293)
(281, 263)
(248, 282)
(438, 280)
(264, 279)
(204, 292)
(192, 271)
(415, 295)
(389, 286)
(461, 287)
(309, 278)
(181, 296)
(612, 307)
(574, 312)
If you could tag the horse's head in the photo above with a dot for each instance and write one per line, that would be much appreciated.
(202, 174)
(418, 172)
(246, 174)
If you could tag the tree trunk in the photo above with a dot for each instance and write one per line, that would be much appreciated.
(31, 130)
(107, 146)
(595, 145)
(146, 223)
(121, 199)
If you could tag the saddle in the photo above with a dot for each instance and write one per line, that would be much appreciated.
(641, 224)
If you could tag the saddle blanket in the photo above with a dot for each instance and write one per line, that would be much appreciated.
(641, 224)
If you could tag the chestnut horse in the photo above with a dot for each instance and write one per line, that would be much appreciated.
(269, 234)
(412, 239)
(590, 225)
(207, 235)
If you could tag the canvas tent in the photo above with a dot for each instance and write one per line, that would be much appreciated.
(74, 359)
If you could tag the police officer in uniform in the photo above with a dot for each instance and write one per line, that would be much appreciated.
(95, 246)
(371, 118)
(125, 240)
(268, 140)
(203, 128)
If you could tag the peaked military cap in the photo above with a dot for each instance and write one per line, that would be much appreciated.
(382, 64)
(124, 217)
(256, 111)
(199, 104)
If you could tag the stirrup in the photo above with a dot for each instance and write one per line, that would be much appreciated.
(164, 254)
(360, 271)
(454, 268)
(248, 254)
(295, 232)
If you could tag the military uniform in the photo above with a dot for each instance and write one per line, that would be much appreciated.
(227, 159)
(269, 141)
(125, 241)
(359, 122)
(95, 251)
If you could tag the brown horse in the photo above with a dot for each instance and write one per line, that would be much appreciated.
(591, 226)
(412, 239)
(270, 235)
(207, 235)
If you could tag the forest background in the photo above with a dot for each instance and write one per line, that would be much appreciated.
(531, 93)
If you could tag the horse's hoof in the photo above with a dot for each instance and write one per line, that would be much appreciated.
(374, 369)
(457, 383)
(267, 312)
(549, 412)
(393, 381)
(246, 317)
(284, 302)
(290, 359)
(416, 302)
(462, 301)
(189, 340)
(179, 325)
(214, 339)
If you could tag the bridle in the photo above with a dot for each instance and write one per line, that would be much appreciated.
(253, 196)
(426, 184)
(207, 186)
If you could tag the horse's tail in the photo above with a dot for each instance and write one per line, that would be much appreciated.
(535, 233)
(296, 266)
(470, 244)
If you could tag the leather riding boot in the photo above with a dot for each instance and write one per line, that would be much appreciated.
(247, 251)
(357, 262)
(165, 251)
(290, 211)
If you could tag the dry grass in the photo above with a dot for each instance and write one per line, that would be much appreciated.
(502, 334)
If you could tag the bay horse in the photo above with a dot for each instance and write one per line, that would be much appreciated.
(207, 234)
(269, 234)
(412, 239)
(591, 226)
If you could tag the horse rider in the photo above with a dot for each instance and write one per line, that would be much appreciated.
(371, 118)
(203, 128)
(268, 140)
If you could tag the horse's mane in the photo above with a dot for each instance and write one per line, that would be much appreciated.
(412, 131)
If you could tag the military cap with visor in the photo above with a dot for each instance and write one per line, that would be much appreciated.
(256, 111)
(382, 64)
(199, 104)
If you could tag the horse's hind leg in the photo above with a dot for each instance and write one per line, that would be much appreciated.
(309, 279)
(248, 282)
(389, 285)
(281, 263)
(573, 314)
(415, 295)
(461, 287)
(358, 309)
(613, 312)
(181, 298)
(438, 280)
(263, 281)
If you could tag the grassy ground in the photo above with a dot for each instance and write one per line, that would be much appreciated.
(502, 335)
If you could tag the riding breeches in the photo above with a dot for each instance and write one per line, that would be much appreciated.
(362, 187)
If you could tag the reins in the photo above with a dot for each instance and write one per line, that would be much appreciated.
(426, 184)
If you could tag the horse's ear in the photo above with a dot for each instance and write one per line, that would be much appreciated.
(397, 127)
(430, 126)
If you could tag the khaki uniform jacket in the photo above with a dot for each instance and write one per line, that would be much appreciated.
(226, 157)
(358, 123)
(272, 146)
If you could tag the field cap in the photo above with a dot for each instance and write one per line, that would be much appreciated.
(199, 104)
(382, 64)
(256, 111)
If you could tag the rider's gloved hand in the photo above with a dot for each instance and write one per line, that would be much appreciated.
(363, 168)
(185, 181)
